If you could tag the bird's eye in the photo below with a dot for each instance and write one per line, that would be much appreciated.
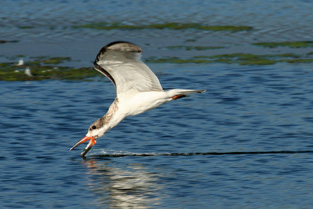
(93, 127)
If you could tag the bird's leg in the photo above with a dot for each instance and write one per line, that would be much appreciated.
(178, 96)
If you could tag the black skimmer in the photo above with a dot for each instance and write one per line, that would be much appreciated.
(137, 88)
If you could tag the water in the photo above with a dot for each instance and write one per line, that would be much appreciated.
(245, 143)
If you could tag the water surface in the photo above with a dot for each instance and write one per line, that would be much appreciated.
(257, 119)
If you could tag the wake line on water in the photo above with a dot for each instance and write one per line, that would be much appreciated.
(197, 153)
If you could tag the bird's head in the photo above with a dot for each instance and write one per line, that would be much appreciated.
(95, 131)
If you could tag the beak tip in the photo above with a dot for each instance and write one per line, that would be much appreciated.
(89, 146)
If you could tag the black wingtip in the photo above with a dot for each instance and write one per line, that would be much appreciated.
(119, 42)
(103, 71)
(122, 46)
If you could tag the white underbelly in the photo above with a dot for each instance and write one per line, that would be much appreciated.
(143, 102)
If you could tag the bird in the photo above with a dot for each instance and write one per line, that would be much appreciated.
(28, 72)
(137, 88)
(20, 62)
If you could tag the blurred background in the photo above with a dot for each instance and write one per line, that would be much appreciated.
(245, 143)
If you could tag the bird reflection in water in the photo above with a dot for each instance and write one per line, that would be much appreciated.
(123, 186)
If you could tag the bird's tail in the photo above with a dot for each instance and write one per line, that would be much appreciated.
(179, 93)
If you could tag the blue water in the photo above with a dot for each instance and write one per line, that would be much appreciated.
(224, 148)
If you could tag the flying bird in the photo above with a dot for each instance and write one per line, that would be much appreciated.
(137, 88)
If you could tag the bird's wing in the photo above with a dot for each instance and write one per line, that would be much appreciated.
(120, 62)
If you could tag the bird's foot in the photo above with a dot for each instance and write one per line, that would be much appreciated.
(178, 96)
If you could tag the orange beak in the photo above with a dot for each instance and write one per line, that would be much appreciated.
(88, 147)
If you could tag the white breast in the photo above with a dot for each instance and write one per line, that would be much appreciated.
(142, 102)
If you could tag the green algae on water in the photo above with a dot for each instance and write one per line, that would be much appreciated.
(291, 44)
(8, 41)
(175, 60)
(44, 68)
(237, 58)
(309, 54)
(46, 73)
(161, 26)
(52, 60)
(26, 27)
(197, 48)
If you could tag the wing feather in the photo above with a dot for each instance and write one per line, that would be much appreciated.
(120, 62)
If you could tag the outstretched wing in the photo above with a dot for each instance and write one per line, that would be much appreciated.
(120, 62)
